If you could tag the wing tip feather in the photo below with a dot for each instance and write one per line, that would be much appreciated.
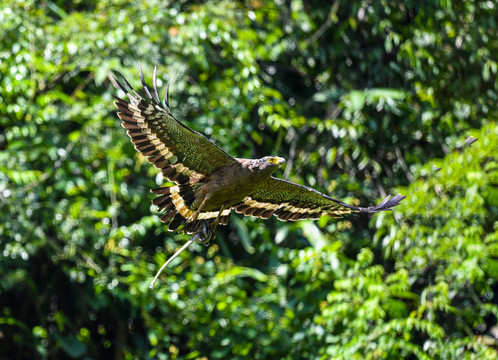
(385, 205)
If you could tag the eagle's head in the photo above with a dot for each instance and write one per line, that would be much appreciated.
(267, 164)
(262, 167)
(271, 162)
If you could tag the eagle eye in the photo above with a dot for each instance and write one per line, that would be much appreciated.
(273, 160)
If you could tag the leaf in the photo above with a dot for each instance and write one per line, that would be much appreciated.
(243, 233)
(357, 100)
(313, 234)
(72, 346)
(240, 271)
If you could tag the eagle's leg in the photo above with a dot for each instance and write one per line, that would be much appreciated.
(218, 218)
(196, 213)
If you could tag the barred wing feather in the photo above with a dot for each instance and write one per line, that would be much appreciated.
(290, 201)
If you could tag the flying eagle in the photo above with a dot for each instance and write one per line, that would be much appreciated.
(209, 182)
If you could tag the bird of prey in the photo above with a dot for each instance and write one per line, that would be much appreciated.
(209, 182)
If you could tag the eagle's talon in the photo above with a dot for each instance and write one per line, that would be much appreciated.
(206, 243)
(203, 235)
(197, 237)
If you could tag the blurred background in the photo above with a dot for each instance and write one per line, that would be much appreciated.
(363, 98)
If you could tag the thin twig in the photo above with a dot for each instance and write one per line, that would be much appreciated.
(292, 152)
(186, 245)
(330, 18)
(114, 203)
(403, 165)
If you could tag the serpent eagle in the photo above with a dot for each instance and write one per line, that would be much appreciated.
(209, 182)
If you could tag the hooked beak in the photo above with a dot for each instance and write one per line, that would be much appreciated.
(280, 160)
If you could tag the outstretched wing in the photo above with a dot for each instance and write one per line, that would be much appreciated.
(289, 201)
(183, 155)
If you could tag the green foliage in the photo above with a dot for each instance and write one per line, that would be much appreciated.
(446, 240)
(360, 97)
